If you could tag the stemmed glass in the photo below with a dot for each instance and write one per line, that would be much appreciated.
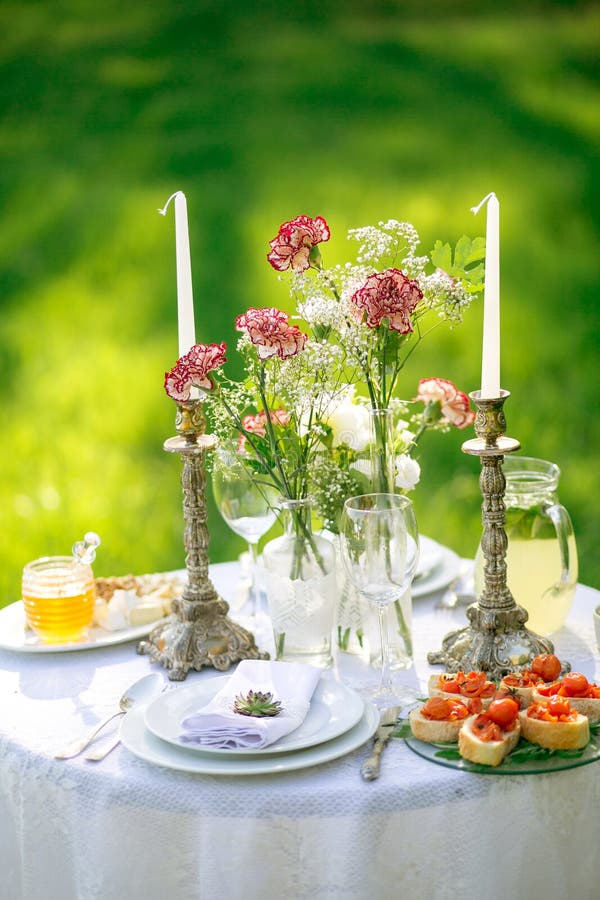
(380, 549)
(248, 507)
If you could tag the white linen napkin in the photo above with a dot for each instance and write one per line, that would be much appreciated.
(217, 726)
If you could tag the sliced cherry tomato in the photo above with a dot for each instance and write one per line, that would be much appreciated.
(440, 709)
(548, 690)
(450, 687)
(503, 712)
(559, 706)
(474, 705)
(574, 684)
(486, 729)
(547, 666)
(473, 684)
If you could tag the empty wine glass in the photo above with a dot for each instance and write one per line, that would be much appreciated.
(380, 549)
(248, 507)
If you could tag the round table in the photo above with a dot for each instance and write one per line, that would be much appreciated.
(76, 830)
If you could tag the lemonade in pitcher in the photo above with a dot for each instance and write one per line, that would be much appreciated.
(542, 555)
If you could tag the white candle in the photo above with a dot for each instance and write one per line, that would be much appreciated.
(490, 357)
(185, 298)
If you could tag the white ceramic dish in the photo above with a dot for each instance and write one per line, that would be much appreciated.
(334, 709)
(446, 569)
(142, 743)
(430, 556)
(15, 636)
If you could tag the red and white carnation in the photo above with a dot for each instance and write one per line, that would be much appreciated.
(294, 241)
(387, 295)
(270, 331)
(454, 404)
(192, 370)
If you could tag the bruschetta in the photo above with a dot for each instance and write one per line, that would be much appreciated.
(488, 737)
(544, 668)
(555, 725)
(583, 695)
(462, 685)
(439, 719)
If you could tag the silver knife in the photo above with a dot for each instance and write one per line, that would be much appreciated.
(370, 768)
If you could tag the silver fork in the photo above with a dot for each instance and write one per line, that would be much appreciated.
(102, 752)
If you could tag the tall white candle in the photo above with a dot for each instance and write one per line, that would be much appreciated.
(490, 357)
(185, 298)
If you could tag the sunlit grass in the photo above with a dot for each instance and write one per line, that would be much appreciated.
(401, 113)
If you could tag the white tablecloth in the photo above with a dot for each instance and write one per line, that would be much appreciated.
(74, 830)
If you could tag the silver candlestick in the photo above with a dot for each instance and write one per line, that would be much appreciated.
(496, 641)
(198, 632)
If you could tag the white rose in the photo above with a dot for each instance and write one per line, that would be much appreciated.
(408, 472)
(349, 423)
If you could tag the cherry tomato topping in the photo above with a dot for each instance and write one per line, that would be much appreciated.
(451, 687)
(547, 666)
(574, 684)
(474, 705)
(548, 690)
(503, 712)
(559, 706)
(486, 729)
(440, 709)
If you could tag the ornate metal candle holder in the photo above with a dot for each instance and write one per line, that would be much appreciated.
(497, 640)
(198, 632)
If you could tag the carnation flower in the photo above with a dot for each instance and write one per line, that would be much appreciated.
(292, 246)
(257, 424)
(388, 295)
(192, 370)
(270, 331)
(454, 404)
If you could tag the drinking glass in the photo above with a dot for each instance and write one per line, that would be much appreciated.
(380, 549)
(248, 507)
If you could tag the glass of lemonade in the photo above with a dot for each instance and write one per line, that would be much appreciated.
(58, 597)
(541, 557)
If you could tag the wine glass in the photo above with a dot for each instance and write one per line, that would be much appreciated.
(248, 507)
(380, 549)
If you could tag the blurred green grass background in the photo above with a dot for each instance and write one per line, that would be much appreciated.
(357, 112)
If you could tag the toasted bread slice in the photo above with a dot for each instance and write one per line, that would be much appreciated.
(556, 735)
(524, 695)
(587, 706)
(486, 753)
(434, 690)
(434, 731)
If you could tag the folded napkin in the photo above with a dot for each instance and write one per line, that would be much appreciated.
(217, 726)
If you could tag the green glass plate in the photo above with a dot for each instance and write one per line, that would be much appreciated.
(525, 759)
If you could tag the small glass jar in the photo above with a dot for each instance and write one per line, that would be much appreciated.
(58, 597)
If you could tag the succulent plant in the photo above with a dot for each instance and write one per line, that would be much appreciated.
(257, 703)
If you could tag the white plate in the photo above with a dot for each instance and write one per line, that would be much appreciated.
(334, 709)
(447, 568)
(430, 556)
(139, 741)
(15, 636)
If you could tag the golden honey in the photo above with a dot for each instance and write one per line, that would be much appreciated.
(58, 598)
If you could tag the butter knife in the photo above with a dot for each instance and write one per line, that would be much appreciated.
(370, 768)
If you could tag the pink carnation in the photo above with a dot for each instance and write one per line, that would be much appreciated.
(388, 295)
(257, 424)
(270, 330)
(294, 241)
(192, 369)
(454, 404)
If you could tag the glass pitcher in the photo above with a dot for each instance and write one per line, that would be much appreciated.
(542, 555)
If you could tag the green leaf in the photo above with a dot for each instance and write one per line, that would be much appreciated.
(402, 731)
(448, 754)
(441, 256)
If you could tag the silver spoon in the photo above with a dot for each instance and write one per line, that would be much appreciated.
(143, 689)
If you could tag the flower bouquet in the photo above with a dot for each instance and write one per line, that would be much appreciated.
(317, 414)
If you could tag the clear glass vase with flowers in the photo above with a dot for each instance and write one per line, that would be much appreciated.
(378, 308)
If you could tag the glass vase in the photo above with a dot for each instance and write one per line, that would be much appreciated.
(300, 581)
(383, 460)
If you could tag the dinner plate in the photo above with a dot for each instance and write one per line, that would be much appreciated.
(430, 556)
(525, 759)
(334, 709)
(142, 743)
(14, 635)
(446, 570)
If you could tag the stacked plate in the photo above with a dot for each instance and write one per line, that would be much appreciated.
(337, 722)
(438, 566)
